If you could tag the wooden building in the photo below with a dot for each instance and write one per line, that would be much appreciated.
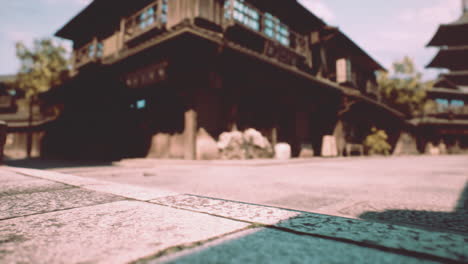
(7, 94)
(25, 126)
(150, 76)
(449, 122)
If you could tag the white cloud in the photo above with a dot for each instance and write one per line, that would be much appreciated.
(319, 8)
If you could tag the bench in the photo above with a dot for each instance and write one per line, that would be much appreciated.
(353, 148)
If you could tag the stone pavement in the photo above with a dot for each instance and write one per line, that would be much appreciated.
(50, 217)
(422, 191)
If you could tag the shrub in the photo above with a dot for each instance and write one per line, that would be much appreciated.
(376, 143)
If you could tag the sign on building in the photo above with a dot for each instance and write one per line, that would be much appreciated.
(146, 76)
(343, 71)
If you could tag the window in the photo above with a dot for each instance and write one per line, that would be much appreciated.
(270, 25)
(140, 104)
(96, 50)
(147, 17)
(442, 104)
(243, 14)
(12, 92)
(457, 103)
(99, 50)
(164, 12)
(91, 51)
(274, 29)
(343, 70)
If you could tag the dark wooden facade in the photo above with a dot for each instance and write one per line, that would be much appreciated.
(146, 68)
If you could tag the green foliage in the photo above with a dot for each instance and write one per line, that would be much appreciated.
(404, 90)
(43, 67)
(376, 143)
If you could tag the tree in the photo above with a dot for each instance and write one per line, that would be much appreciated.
(404, 89)
(43, 67)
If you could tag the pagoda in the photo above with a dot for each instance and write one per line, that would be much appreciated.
(448, 122)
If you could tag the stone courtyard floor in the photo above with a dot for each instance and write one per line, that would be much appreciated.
(346, 210)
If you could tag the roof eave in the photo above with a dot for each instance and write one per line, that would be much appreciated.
(377, 66)
(65, 31)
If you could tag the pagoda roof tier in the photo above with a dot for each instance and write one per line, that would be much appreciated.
(444, 82)
(454, 93)
(452, 58)
(459, 78)
(453, 34)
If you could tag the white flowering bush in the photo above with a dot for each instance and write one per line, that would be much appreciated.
(230, 145)
(247, 145)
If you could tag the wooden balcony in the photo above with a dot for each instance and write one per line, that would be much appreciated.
(448, 112)
(91, 52)
(152, 18)
(280, 42)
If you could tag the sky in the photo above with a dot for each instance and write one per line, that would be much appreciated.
(386, 30)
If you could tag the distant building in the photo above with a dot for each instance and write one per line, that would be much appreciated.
(25, 132)
(449, 122)
(151, 76)
(7, 94)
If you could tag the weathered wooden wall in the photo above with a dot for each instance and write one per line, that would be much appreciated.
(180, 10)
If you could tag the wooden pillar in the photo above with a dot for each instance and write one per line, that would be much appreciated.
(190, 135)
(274, 135)
(121, 36)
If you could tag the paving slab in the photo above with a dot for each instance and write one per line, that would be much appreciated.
(117, 232)
(54, 176)
(240, 211)
(440, 244)
(8, 188)
(127, 191)
(273, 246)
(8, 176)
(49, 201)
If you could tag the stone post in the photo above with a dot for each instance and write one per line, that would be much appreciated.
(340, 136)
(190, 135)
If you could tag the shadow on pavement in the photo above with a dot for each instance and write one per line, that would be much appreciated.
(456, 221)
(312, 238)
(43, 164)
(274, 246)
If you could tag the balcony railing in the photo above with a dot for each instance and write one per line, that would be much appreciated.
(152, 17)
(449, 110)
(269, 26)
(91, 52)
